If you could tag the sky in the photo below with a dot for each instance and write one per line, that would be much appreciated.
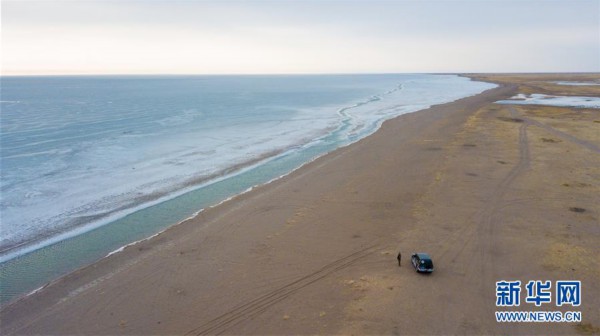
(286, 37)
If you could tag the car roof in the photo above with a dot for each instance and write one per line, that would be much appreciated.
(423, 256)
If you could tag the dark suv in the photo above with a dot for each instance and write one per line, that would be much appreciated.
(422, 262)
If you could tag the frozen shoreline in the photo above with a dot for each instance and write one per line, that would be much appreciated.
(94, 241)
(54, 224)
(319, 215)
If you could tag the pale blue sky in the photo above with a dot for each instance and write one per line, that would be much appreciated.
(214, 37)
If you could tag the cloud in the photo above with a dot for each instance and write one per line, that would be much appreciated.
(300, 37)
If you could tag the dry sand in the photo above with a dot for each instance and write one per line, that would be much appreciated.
(488, 190)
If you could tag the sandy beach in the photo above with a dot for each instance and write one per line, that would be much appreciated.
(492, 192)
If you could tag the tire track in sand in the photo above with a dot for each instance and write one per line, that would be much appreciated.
(489, 221)
(478, 239)
(484, 217)
(560, 134)
(243, 312)
(487, 239)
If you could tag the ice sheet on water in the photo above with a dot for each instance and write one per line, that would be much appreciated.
(542, 99)
(581, 83)
(78, 149)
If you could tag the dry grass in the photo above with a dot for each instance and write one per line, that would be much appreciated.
(587, 329)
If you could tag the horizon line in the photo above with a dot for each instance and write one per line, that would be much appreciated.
(296, 73)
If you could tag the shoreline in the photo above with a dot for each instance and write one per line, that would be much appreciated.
(232, 199)
(327, 229)
(78, 222)
(116, 216)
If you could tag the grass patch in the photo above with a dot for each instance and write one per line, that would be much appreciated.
(550, 140)
(587, 329)
(576, 209)
(518, 120)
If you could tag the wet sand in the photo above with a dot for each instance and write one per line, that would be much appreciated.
(488, 190)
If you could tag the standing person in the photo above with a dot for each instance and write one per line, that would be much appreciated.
(399, 258)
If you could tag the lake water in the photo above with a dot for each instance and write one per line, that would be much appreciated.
(90, 164)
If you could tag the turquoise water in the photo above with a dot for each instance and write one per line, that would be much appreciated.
(28, 272)
(90, 164)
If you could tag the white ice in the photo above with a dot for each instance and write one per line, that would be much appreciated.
(564, 101)
(582, 83)
(118, 170)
